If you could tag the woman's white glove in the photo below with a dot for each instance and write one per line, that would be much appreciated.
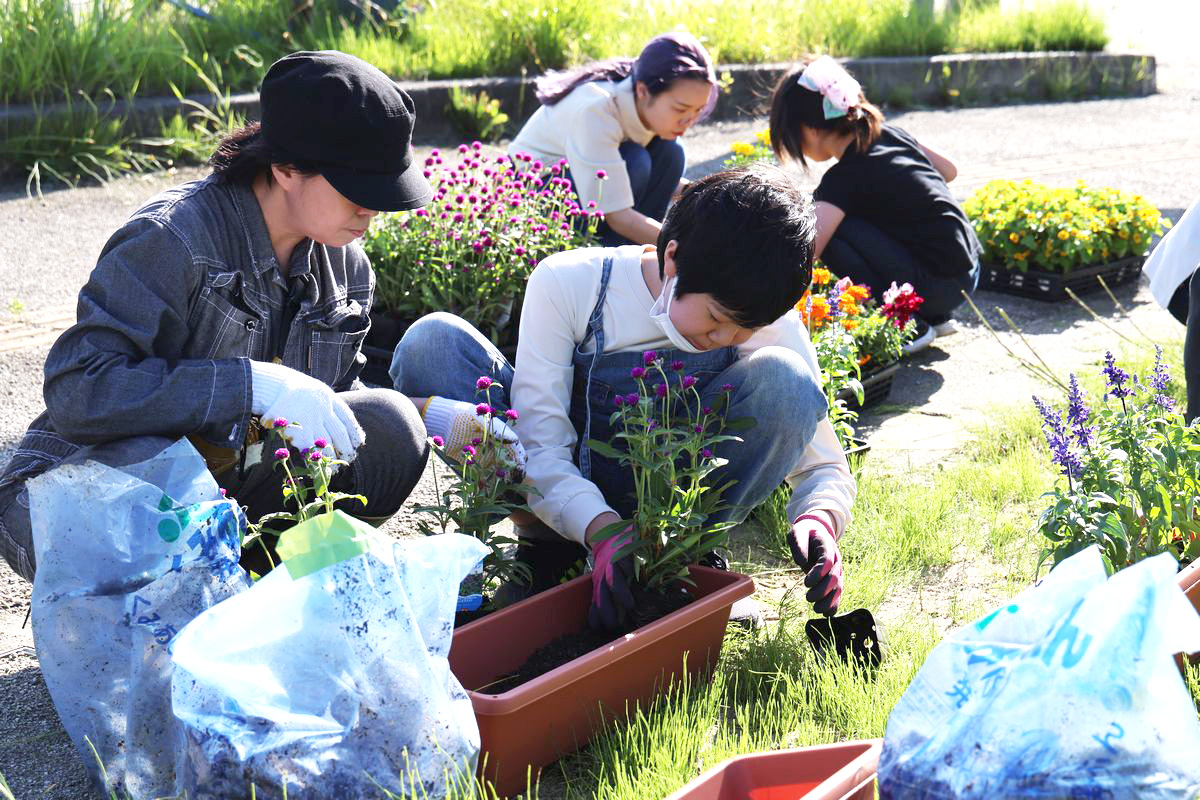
(279, 392)
(461, 425)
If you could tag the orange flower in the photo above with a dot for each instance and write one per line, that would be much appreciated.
(849, 306)
(819, 314)
(859, 292)
(850, 324)
(864, 360)
(821, 276)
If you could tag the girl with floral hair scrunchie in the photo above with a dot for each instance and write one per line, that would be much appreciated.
(884, 212)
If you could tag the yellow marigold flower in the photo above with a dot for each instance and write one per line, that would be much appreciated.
(1020, 256)
(821, 276)
(1123, 234)
(1064, 235)
(764, 136)
(848, 306)
(1012, 237)
(742, 148)
(850, 324)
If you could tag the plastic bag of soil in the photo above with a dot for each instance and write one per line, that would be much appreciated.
(330, 675)
(125, 558)
(1070, 690)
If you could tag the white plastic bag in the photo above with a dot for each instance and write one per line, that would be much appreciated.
(330, 675)
(125, 558)
(1070, 690)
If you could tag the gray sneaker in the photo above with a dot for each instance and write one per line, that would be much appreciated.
(924, 338)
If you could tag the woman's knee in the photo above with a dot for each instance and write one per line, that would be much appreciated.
(425, 345)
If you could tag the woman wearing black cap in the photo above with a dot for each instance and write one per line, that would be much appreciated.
(243, 298)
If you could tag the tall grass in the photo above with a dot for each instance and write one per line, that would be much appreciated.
(125, 46)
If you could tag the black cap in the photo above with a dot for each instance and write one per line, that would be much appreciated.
(351, 121)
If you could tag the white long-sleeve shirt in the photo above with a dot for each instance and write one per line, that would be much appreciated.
(587, 128)
(559, 299)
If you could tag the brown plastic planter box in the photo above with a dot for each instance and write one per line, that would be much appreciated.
(532, 725)
(843, 771)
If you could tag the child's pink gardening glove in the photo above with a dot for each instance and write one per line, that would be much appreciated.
(611, 598)
(815, 550)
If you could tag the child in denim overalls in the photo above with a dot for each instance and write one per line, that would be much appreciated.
(734, 257)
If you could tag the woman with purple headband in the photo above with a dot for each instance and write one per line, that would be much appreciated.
(617, 123)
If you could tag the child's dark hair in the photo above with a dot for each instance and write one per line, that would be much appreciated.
(794, 107)
(744, 236)
(246, 153)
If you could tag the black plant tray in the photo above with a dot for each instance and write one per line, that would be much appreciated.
(877, 385)
(1041, 285)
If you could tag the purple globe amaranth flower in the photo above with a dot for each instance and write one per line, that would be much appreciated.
(637, 372)
(706, 453)
(632, 399)
(439, 441)
(619, 400)
(652, 424)
(1078, 415)
(698, 429)
(321, 443)
(727, 387)
(688, 381)
(511, 415)
(501, 473)
(660, 390)
(281, 454)
(649, 357)
(601, 174)
(476, 441)
(482, 383)
(469, 449)
(224, 492)
(1116, 377)
(280, 422)
(483, 409)
(677, 365)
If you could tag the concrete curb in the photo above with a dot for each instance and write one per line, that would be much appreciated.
(947, 80)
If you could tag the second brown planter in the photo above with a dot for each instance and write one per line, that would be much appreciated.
(534, 724)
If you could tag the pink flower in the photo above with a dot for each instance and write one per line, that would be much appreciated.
(649, 357)
(439, 441)
(224, 492)
(280, 422)
(660, 389)
(483, 409)
(477, 441)
(483, 383)
(469, 449)
(637, 372)
(706, 453)
(601, 174)
(512, 415)
(727, 387)
(677, 365)
(315, 455)
(688, 381)
(281, 454)
(320, 443)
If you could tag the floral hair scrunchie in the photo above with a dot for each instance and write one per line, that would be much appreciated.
(839, 91)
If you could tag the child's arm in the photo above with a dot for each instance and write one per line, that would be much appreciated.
(551, 318)
(942, 164)
(829, 217)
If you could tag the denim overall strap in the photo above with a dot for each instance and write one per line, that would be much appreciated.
(595, 328)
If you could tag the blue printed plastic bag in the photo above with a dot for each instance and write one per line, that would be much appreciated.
(1070, 690)
(330, 676)
(125, 559)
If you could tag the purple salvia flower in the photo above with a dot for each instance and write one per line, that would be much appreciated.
(1116, 377)
(1058, 440)
(1160, 382)
(1078, 415)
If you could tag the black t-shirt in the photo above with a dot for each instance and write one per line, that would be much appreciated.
(895, 187)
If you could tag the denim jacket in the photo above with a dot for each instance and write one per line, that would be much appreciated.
(181, 300)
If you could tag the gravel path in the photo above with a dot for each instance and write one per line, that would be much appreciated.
(1148, 145)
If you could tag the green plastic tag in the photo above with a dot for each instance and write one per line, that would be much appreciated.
(322, 541)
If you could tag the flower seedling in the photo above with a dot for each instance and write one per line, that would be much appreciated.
(667, 437)
(1132, 470)
(487, 487)
(306, 484)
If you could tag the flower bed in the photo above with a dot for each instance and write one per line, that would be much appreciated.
(470, 251)
(1039, 241)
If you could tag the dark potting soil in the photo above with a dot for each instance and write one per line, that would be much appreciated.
(648, 607)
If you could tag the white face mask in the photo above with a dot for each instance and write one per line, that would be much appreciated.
(660, 314)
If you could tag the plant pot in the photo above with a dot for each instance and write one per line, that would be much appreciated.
(1044, 285)
(856, 452)
(843, 771)
(532, 725)
(877, 386)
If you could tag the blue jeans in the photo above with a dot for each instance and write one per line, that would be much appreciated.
(444, 355)
(864, 253)
(654, 173)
